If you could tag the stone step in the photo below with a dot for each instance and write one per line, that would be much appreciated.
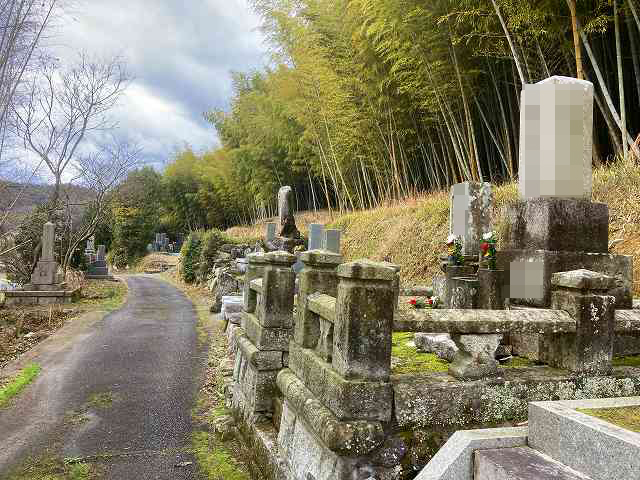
(520, 463)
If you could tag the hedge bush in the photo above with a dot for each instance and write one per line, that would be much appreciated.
(190, 257)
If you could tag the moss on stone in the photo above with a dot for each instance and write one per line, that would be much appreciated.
(518, 362)
(409, 360)
(214, 460)
(629, 361)
(625, 417)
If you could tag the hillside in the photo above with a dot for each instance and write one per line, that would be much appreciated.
(412, 233)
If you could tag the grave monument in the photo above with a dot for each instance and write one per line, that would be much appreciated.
(47, 283)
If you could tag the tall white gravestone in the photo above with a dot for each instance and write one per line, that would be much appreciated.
(556, 128)
(316, 234)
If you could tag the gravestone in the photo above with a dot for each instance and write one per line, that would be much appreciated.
(556, 128)
(286, 211)
(46, 272)
(470, 214)
(99, 267)
(332, 240)
(316, 233)
(556, 227)
(270, 231)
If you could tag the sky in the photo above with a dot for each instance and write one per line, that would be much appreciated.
(180, 59)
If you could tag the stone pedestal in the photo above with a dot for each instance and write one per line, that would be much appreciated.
(582, 294)
(490, 289)
(475, 357)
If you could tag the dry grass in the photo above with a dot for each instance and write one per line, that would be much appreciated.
(412, 232)
(157, 262)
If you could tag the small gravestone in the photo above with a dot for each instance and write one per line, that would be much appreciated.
(270, 231)
(470, 205)
(46, 272)
(286, 212)
(99, 267)
(556, 128)
(332, 240)
(316, 232)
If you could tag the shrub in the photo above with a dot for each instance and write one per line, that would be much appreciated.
(212, 240)
(190, 257)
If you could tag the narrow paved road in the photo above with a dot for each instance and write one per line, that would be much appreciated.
(117, 391)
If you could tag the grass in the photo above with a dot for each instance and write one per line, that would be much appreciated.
(103, 295)
(625, 417)
(412, 361)
(215, 462)
(54, 469)
(100, 400)
(629, 361)
(17, 384)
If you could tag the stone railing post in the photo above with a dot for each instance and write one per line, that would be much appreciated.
(267, 324)
(364, 321)
(317, 276)
(582, 294)
(275, 309)
(255, 269)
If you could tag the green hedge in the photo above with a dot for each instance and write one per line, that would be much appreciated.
(190, 257)
(212, 240)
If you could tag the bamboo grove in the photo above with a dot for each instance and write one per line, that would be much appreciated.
(368, 101)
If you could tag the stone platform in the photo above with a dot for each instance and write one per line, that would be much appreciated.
(39, 297)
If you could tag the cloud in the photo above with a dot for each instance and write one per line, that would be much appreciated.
(180, 57)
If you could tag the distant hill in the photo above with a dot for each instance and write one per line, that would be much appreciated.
(34, 195)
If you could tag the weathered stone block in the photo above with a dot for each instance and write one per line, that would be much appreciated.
(491, 289)
(275, 308)
(347, 399)
(364, 321)
(590, 349)
(557, 224)
(475, 357)
(262, 360)
(265, 338)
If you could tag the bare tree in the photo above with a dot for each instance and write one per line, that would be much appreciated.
(100, 171)
(63, 105)
(22, 24)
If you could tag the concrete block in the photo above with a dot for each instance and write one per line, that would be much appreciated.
(587, 444)
(454, 461)
(520, 463)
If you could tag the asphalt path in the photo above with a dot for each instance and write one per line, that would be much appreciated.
(115, 390)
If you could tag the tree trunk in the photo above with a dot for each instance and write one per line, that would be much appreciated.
(576, 39)
(623, 110)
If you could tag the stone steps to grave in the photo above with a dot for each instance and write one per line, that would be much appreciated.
(520, 463)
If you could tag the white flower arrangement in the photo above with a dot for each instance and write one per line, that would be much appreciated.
(451, 238)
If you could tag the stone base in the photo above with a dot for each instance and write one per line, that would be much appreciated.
(106, 276)
(39, 297)
(619, 266)
(475, 357)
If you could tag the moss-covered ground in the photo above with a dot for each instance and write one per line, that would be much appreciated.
(407, 359)
(50, 468)
(625, 417)
(15, 385)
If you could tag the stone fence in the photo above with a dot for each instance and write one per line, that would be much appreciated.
(318, 364)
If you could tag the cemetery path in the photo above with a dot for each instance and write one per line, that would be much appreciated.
(119, 394)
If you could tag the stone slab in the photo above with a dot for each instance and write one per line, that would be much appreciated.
(323, 305)
(454, 461)
(39, 297)
(582, 279)
(580, 441)
(425, 400)
(262, 360)
(266, 338)
(520, 463)
(483, 321)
